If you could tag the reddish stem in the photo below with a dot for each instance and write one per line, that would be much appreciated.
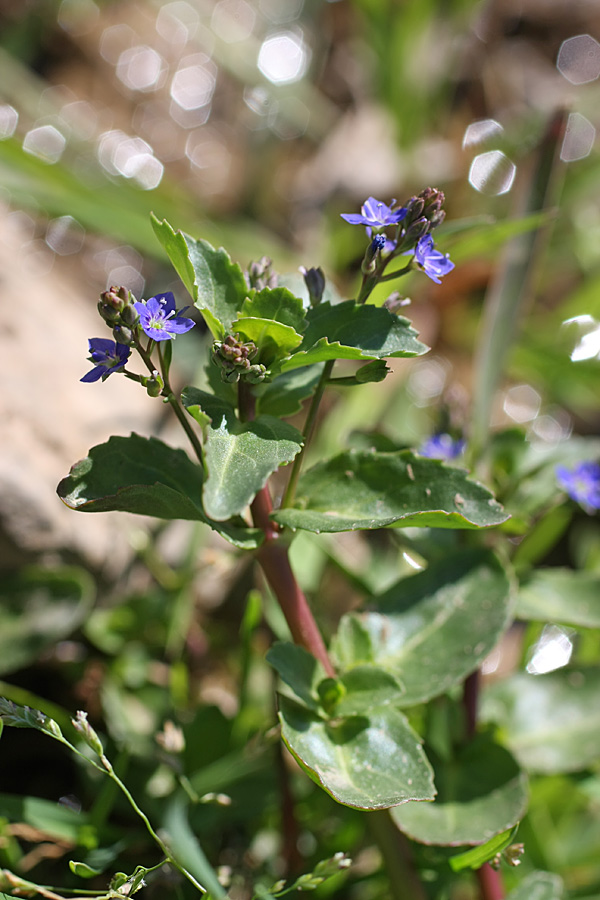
(490, 883)
(275, 563)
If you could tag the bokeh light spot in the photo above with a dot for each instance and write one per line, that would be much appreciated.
(141, 68)
(480, 131)
(115, 39)
(492, 173)
(193, 86)
(579, 138)
(46, 142)
(588, 341)
(522, 403)
(552, 651)
(8, 121)
(65, 235)
(283, 58)
(578, 59)
(233, 20)
(177, 22)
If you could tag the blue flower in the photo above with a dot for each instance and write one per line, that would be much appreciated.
(375, 214)
(389, 244)
(107, 356)
(433, 263)
(582, 483)
(442, 446)
(159, 318)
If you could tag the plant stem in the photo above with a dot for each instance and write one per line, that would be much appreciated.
(489, 879)
(273, 556)
(490, 883)
(309, 427)
(168, 394)
(395, 850)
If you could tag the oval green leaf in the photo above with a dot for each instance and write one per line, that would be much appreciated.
(550, 722)
(481, 793)
(363, 489)
(367, 762)
(352, 331)
(144, 476)
(561, 595)
(215, 282)
(432, 629)
(539, 886)
(239, 456)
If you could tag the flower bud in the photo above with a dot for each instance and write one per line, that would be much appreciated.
(114, 298)
(314, 279)
(259, 274)
(372, 252)
(395, 302)
(123, 335)
(108, 312)
(129, 316)
(414, 209)
(153, 384)
(415, 231)
(89, 735)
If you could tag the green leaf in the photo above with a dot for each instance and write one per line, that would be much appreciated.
(278, 304)
(216, 283)
(16, 716)
(366, 762)
(550, 722)
(82, 869)
(367, 687)
(299, 669)
(352, 331)
(239, 457)
(185, 848)
(144, 476)
(39, 607)
(481, 793)
(561, 595)
(52, 818)
(432, 629)
(475, 858)
(273, 339)
(539, 886)
(284, 395)
(364, 489)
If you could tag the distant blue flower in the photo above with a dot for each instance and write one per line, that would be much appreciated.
(582, 483)
(159, 318)
(433, 263)
(375, 214)
(107, 356)
(442, 446)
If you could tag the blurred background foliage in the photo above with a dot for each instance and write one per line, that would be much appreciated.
(253, 124)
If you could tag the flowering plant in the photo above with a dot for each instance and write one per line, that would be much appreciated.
(384, 713)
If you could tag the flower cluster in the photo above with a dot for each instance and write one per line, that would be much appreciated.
(157, 318)
(582, 483)
(234, 357)
(411, 236)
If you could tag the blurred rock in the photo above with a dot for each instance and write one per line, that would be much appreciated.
(48, 419)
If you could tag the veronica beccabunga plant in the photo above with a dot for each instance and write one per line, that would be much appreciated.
(384, 715)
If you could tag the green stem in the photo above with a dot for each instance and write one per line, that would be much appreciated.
(395, 850)
(309, 427)
(168, 394)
